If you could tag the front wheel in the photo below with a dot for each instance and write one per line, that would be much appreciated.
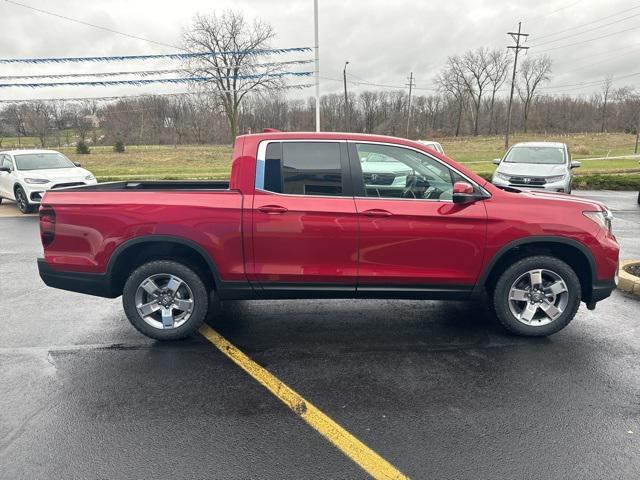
(537, 296)
(165, 300)
(23, 203)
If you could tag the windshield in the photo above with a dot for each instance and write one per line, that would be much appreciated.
(542, 155)
(42, 161)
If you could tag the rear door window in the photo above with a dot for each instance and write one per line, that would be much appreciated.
(302, 168)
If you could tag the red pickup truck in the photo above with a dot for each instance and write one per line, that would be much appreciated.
(329, 215)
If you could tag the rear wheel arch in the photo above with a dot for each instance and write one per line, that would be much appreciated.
(575, 254)
(138, 251)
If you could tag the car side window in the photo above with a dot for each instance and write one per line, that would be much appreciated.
(6, 162)
(301, 168)
(396, 172)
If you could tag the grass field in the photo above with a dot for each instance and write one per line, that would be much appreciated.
(213, 161)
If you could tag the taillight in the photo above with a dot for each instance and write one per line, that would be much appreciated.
(47, 225)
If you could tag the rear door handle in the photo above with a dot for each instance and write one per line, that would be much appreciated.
(377, 212)
(272, 209)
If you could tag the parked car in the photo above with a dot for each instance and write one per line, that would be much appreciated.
(432, 145)
(298, 219)
(26, 174)
(544, 165)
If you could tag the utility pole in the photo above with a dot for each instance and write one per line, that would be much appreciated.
(410, 84)
(346, 98)
(517, 47)
(317, 63)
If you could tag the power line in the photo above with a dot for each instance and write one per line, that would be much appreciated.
(588, 40)
(586, 31)
(99, 27)
(586, 24)
(554, 12)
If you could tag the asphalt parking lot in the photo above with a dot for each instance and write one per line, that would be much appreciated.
(437, 389)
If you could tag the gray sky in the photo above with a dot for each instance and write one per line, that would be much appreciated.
(383, 40)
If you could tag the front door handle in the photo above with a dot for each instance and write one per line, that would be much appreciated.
(272, 209)
(377, 212)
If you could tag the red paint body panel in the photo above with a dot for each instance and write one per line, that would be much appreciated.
(87, 234)
(322, 239)
(421, 242)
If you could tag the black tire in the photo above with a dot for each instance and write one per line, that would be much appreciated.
(501, 302)
(23, 202)
(200, 298)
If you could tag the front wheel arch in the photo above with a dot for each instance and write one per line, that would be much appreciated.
(569, 251)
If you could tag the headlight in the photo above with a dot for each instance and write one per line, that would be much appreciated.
(602, 218)
(36, 180)
(557, 178)
(501, 176)
(90, 177)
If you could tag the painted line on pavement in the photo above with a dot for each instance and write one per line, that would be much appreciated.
(367, 459)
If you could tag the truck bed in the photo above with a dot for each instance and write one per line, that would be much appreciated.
(152, 185)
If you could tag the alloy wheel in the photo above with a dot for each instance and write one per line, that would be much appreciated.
(164, 301)
(538, 297)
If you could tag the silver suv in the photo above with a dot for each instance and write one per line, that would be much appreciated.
(545, 165)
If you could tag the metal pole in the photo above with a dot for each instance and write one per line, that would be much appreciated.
(517, 48)
(317, 53)
(409, 103)
(346, 98)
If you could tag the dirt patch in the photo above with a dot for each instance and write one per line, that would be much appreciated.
(633, 269)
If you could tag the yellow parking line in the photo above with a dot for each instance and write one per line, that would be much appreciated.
(353, 448)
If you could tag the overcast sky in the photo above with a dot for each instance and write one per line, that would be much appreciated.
(383, 40)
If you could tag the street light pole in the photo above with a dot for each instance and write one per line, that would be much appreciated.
(317, 55)
(346, 98)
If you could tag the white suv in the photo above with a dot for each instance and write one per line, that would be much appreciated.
(26, 174)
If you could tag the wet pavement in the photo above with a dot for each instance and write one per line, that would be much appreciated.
(435, 388)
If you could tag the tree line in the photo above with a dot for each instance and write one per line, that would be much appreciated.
(195, 119)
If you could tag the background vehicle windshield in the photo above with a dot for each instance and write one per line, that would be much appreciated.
(42, 161)
(543, 155)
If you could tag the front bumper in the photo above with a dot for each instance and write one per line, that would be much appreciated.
(561, 186)
(90, 283)
(35, 191)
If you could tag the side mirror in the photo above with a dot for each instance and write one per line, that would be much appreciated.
(496, 161)
(5, 169)
(463, 192)
(77, 164)
(575, 164)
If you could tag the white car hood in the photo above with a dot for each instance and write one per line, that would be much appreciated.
(57, 175)
(532, 169)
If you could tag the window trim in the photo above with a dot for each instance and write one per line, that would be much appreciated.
(356, 168)
(347, 182)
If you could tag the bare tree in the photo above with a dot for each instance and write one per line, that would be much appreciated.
(38, 120)
(231, 67)
(476, 77)
(604, 97)
(533, 72)
(499, 62)
(452, 83)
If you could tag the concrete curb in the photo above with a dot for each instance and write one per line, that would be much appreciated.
(628, 282)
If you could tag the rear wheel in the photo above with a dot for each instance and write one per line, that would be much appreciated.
(23, 202)
(165, 300)
(537, 296)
